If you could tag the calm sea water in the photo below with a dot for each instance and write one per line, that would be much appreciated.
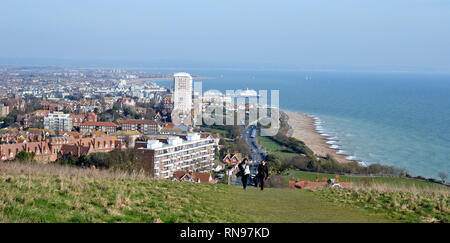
(391, 118)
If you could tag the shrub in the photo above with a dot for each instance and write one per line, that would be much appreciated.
(25, 156)
(115, 160)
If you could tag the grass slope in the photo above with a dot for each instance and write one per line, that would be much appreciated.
(401, 198)
(64, 194)
(399, 182)
(272, 147)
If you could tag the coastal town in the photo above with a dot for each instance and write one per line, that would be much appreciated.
(225, 116)
(109, 123)
(53, 114)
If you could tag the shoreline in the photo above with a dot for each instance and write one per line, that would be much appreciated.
(140, 80)
(303, 127)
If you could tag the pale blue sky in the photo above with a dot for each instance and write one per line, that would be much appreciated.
(388, 33)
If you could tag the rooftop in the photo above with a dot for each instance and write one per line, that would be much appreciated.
(138, 122)
(103, 124)
(173, 141)
(182, 74)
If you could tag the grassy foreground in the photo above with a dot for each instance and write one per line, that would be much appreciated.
(399, 182)
(401, 198)
(36, 193)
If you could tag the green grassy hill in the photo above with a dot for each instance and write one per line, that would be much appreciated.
(274, 148)
(400, 198)
(51, 193)
(34, 193)
(399, 182)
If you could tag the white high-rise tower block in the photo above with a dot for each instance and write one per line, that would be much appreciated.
(182, 93)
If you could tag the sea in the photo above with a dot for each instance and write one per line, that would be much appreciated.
(392, 118)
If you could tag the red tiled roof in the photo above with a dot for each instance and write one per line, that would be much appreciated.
(229, 158)
(138, 122)
(203, 177)
(170, 125)
(196, 176)
(74, 134)
(100, 124)
(76, 116)
(43, 111)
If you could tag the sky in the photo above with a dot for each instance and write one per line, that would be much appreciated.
(382, 33)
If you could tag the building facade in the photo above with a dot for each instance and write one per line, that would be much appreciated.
(58, 121)
(145, 127)
(91, 117)
(77, 119)
(4, 110)
(192, 153)
(182, 93)
(61, 147)
(88, 127)
(124, 102)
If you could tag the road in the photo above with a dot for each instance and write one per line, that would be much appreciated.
(256, 154)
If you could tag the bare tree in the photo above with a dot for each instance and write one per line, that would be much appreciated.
(443, 176)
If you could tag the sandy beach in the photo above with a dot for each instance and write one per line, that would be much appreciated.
(302, 128)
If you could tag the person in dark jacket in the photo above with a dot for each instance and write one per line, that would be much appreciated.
(263, 173)
(244, 172)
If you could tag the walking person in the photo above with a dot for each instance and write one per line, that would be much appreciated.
(263, 173)
(244, 171)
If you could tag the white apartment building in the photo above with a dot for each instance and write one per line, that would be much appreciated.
(178, 154)
(4, 110)
(182, 94)
(58, 121)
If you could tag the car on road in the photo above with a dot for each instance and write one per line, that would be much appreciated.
(253, 133)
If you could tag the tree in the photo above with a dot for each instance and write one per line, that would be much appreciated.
(131, 112)
(11, 118)
(443, 176)
(274, 162)
(311, 165)
(150, 114)
(32, 105)
(25, 156)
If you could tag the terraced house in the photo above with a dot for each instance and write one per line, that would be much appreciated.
(61, 147)
(42, 151)
(88, 127)
(164, 157)
(145, 127)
